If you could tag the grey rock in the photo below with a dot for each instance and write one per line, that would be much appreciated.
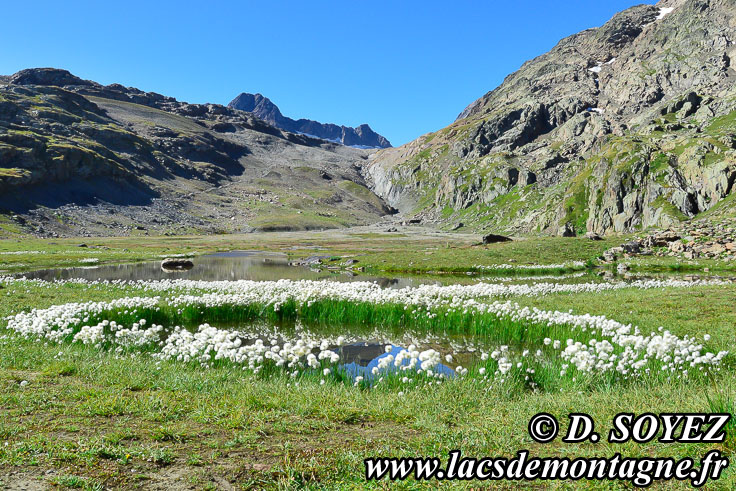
(632, 247)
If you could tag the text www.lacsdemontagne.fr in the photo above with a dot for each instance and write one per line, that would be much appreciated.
(638, 471)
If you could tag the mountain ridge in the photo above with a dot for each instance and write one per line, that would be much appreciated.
(81, 158)
(362, 136)
(617, 128)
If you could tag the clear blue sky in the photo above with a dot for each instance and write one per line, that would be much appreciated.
(405, 68)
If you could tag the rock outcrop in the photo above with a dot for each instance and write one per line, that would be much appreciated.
(699, 239)
(362, 136)
(618, 128)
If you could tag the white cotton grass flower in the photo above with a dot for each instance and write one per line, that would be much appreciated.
(620, 349)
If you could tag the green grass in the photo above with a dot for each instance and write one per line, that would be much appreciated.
(121, 422)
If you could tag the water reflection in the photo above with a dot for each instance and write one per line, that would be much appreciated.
(359, 359)
(234, 265)
(262, 266)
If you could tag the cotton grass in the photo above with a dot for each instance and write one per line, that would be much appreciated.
(543, 349)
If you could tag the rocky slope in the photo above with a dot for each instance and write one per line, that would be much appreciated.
(362, 136)
(698, 239)
(80, 158)
(618, 128)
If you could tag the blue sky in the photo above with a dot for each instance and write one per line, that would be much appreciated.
(405, 68)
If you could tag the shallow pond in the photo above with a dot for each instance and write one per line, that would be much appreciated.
(361, 349)
(222, 266)
(353, 327)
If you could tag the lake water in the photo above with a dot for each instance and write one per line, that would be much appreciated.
(262, 266)
(222, 266)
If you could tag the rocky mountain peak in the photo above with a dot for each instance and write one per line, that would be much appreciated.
(262, 107)
(257, 103)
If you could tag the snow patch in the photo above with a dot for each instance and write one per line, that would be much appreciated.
(664, 11)
(339, 142)
(320, 138)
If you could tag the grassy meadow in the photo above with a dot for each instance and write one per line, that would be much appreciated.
(74, 416)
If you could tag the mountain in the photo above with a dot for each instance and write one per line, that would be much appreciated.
(618, 128)
(362, 136)
(80, 158)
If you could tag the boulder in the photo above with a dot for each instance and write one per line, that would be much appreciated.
(593, 236)
(716, 249)
(566, 230)
(609, 256)
(676, 246)
(632, 247)
(662, 239)
(311, 261)
(176, 264)
(495, 238)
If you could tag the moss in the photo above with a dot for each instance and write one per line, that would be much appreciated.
(668, 208)
(723, 124)
(647, 70)
(424, 154)
(659, 167)
(598, 198)
(447, 211)
(712, 158)
(576, 204)
(723, 208)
